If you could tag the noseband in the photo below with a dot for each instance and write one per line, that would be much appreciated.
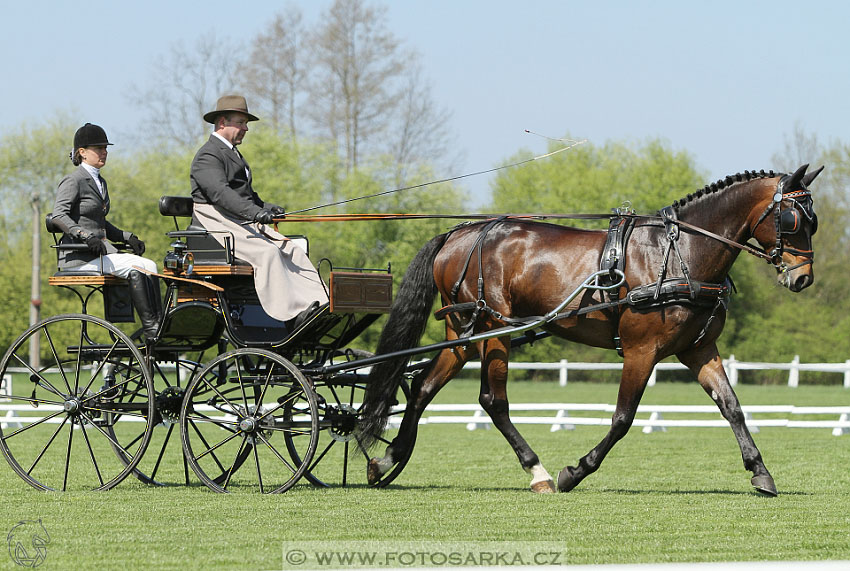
(788, 222)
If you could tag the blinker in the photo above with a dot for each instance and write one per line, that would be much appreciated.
(789, 221)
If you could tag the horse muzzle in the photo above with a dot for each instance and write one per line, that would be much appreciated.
(797, 277)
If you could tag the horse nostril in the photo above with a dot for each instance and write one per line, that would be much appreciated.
(802, 282)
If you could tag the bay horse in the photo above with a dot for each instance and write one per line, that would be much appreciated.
(503, 271)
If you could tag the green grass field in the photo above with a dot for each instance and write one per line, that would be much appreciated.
(680, 495)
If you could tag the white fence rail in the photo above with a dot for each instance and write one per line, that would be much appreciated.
(561, 420)
(732, 366)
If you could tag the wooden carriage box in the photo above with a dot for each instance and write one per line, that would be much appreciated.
(357, 292)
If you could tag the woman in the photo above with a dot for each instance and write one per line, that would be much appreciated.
(82, 203)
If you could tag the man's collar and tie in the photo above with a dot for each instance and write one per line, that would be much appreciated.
(233, 148)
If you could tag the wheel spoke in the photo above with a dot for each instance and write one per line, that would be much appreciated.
(56, 358)
(205, 443)
(283, 460)
(259, 472)
(233, 466)
(49, 442)
(34, 424)
(68, 456)
(44, 383)
(217, 446)
(91, 453)
(161, 452)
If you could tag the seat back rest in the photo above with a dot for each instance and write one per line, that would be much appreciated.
(176, 205)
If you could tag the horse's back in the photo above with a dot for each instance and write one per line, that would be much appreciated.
(526, 265)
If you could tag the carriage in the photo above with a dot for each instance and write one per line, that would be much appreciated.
(222, 377)
(274, 404)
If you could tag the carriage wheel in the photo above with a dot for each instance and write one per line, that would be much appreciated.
(170, 378)
(68, 417)
(339, 459)
(235, 413)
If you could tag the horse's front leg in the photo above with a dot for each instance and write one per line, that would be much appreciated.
(423, 389)
(637, 366)
(706, 364)
(494, 400)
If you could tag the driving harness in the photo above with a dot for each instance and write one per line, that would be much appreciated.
(665, 291)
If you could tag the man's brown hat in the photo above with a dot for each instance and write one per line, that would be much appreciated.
(227, 104)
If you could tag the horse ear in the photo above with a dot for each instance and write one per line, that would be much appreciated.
(797, 177)
(807, 180)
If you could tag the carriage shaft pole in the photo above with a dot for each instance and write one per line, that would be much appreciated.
(589, 283)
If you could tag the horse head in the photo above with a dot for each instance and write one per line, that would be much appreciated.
(786, 226)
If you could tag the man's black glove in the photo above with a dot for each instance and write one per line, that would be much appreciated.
(277, 211)
(95, 244)
(136, 245)
(264, 217)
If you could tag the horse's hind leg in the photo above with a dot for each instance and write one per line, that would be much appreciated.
(706, 364)
(423, 389)
(637, 366)
(494, 400)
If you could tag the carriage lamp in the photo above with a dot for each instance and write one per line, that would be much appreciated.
(178, 260)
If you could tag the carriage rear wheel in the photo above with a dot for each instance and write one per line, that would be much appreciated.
(66, 419)
(340, 459)
(237, 413)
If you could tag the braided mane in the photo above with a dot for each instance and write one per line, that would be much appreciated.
(722, 184)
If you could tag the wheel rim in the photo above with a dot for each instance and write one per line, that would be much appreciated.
(340, 460)
(234, 418)
(69, 420)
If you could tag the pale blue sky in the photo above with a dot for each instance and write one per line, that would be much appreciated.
(726, 81)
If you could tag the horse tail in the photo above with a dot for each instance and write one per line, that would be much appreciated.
(404, 329)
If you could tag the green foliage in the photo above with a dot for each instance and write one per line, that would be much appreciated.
(765, 322)
(591, 179)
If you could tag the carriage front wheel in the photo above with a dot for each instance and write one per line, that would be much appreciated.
(236, 415)
(70, 425)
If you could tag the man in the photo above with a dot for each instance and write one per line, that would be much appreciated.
(287, 284)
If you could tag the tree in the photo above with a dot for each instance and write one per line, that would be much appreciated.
(274, 73)
(357, 63)
(183, 86)
(590, 179)
(31, 165)
(419, 134)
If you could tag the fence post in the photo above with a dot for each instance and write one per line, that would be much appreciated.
(733, 370)
(794, 372)
(847, 374)
(562, 373)
(653, 376)
(6, 385)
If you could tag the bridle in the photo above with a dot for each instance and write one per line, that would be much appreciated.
(788, 221)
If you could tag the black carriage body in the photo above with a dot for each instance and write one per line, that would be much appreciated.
(236, 306)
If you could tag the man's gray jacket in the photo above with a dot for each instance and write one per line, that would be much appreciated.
(218, 177)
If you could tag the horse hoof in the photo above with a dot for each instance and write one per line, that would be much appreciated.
(765, 485)
(566, 479)
(373, 472)
(543, 487)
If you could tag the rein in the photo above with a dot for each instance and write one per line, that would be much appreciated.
(530, 216)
